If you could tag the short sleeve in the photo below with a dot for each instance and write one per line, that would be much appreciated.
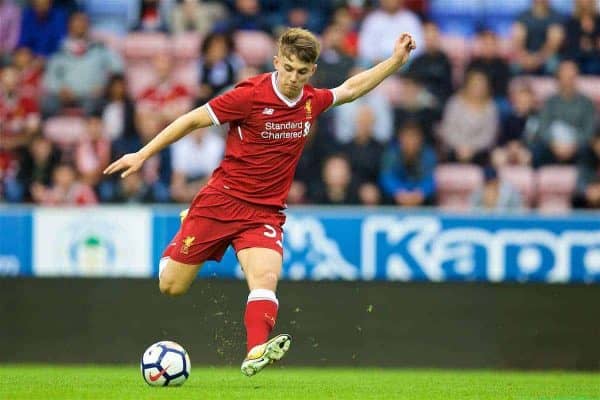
(324, 99)
(232, 105)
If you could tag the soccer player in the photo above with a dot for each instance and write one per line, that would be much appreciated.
(270, 117)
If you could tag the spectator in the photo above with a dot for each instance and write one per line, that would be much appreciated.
(518, 129)
(43, 26)
(384, 117)
(537, 37)
(432, 68)
(154, 15)
(470, 121)
(491, 63)
(196, 16)
(118, 114)
(309, 14)
(364, 154)
(10, 15)
(18, 112)
(496, 194)
(417, 105)
(344, 20)
(218, 66)
(115, 16)
(92, 152)
(37, 165)
(567, 120)
(382, 27)
(407, 168)
(131, 189)
(30, 71)
(77, 74)
(65, 189)
(334, 64)
(588, 177)
(165, 100)
(336, 185)
(246, 16)
(582, 42)
(193, 159)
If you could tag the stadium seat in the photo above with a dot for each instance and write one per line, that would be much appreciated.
(255, 48)
(391, 88)
(64, 130)
(186, 73)
(522, 178)
(144, 45)
(556, 185)
(186, 46)
(543, 87)
(590, 86)
(139, 77)
(455, 184)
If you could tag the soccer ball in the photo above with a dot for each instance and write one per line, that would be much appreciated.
(165, 364)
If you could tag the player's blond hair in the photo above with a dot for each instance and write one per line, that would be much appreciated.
(300, 43)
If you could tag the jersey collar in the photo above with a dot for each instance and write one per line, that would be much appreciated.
(282, 97)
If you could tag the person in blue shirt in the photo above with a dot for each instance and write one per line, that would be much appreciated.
(43, 27)
(407, 173)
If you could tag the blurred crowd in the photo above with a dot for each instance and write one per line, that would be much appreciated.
(499, 114)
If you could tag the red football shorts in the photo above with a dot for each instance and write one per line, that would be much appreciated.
(216, 220)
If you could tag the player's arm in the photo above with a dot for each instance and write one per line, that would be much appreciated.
(130, 163)
(360, 84)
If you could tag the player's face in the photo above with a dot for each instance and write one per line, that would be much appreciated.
(292, 74)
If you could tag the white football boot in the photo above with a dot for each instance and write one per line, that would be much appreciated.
(264, 354)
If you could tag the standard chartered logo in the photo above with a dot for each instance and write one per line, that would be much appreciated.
(285, 130)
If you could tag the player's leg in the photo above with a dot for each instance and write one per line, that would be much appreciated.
(175, 278)
(262, 267)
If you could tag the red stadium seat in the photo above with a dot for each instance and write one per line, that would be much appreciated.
(522, 178)
(64, 130)
(458, 49)
(186, 46)
(590, 86)
(455, 184)
(144, 45)
(391, 88)
(139, 77)
(186, 73)
(543, 88)
(255, 48)
(556, 185)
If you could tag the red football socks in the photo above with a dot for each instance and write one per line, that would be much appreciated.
(260, 316)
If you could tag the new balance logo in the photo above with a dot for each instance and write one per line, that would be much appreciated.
(268, 111)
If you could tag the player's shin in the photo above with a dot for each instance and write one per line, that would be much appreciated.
(260, 316)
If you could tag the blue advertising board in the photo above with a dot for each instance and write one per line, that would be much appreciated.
(387, 244)
(15, 242)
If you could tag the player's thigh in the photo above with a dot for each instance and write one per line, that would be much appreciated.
(262, 267)
(176, 277)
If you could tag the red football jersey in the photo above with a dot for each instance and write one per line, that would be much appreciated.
(267, 133)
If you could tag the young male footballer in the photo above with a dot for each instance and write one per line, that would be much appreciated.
(270, 117)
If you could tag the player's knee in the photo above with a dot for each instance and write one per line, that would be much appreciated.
(171, 288)
(268, 280)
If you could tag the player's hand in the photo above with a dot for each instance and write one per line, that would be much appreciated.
(404, 45)
(131, 163)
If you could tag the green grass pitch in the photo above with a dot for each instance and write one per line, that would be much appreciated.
(49, 382)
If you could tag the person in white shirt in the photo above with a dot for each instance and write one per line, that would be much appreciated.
(193, 160)
(381, 28)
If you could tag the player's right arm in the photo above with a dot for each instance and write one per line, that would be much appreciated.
(132, 162)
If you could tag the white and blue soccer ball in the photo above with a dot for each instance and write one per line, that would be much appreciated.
(165, 364)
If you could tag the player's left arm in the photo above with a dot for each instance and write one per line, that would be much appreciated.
(360, 84)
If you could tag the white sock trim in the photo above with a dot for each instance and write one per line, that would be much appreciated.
(162, 264)
(263, 294)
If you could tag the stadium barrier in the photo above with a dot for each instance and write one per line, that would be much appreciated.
(383, 244)
(415, 324)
